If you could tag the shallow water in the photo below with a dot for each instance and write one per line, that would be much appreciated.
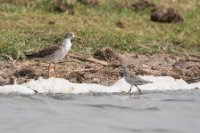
(155, 112)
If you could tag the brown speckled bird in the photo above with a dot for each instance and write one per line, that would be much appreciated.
(132, 79)
(54, 54)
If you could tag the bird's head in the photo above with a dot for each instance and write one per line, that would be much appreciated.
(71, 35)
(122, 66)
(122, 69)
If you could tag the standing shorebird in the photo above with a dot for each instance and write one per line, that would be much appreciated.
(132, 79)
(56, 53)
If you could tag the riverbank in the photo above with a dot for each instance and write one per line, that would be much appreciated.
(85, 70)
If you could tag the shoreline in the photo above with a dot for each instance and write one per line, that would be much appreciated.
(86, 71)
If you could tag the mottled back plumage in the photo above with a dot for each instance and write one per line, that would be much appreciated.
(135, 80)
(52, 54)
(44, 52)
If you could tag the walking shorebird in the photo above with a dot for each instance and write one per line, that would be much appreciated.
(56, 53)
(132, 79)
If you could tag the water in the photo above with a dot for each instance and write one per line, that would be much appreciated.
(160, 112)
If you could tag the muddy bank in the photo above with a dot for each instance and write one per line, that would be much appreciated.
(90, 71)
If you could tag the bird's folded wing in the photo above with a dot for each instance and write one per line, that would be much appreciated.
(44, 52)
(137, 79)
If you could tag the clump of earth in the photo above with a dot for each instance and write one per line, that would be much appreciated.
(141, 5)
(166, 15)
(158, 13)
(90, 2)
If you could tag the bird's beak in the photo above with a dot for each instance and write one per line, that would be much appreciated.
(77, 38)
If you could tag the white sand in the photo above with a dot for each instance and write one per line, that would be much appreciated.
(58, 85)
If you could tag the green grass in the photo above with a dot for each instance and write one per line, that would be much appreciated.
(24, 27)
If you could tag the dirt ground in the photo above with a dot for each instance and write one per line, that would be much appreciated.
(105, 70)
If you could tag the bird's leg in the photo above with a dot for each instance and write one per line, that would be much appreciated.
(139, 90)
(49, 67)
(130, 89)
(56, 71)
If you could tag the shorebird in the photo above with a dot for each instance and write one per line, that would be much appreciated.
(55, 54)
(132, 79)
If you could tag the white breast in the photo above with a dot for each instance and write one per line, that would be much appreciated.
(67, 43)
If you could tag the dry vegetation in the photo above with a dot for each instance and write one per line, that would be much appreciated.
(75, 70)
